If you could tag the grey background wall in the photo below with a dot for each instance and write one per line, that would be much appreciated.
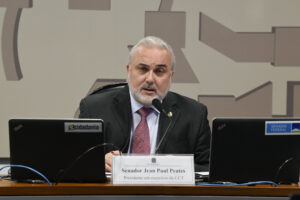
(240, 58)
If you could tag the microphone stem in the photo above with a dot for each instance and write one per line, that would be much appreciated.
(161, 140)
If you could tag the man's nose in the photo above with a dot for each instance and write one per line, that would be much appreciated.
(150, 77)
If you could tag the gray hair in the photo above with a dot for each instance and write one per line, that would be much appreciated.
(152, 41)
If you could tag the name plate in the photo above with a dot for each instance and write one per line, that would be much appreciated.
(153, 169)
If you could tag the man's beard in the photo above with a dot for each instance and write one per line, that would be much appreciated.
(136, 93)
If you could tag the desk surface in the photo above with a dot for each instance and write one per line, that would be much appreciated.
(13, 188)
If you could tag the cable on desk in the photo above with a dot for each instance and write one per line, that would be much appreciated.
(237, 184)
(288, 171)
(31, 169)
(60, 175)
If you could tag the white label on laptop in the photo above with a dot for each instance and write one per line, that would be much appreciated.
(71, 127)
(153, 169)
(282, 128)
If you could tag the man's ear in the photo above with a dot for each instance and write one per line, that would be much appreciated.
(127, 68)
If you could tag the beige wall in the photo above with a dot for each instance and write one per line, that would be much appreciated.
(240, 58)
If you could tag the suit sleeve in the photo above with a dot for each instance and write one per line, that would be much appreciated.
(83, 110)
(202, 149)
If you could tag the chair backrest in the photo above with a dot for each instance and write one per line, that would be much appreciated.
(102, 84)
(108, 87)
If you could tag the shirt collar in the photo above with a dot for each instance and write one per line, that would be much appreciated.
(135, 106)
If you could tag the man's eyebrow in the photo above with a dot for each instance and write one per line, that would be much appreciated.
(162, 65)
(143, 65)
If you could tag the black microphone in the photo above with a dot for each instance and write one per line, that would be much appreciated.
(158, 105)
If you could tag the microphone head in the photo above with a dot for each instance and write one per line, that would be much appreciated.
(157, 104)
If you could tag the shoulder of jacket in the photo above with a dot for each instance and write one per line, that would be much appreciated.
(184, 100)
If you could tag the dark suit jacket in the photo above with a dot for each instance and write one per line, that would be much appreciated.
(189, 131)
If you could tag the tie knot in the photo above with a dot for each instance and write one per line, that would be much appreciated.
(144, 112)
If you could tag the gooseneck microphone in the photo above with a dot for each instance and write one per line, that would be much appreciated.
(158, 105)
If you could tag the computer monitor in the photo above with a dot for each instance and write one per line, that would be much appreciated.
(255, 149)
(64, 150)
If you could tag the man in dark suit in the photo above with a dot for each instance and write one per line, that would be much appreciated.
(181, 128)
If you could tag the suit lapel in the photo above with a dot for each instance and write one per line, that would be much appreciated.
(170, 106)
(121, 111)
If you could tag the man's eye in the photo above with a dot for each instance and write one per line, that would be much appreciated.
(160, 70)
(143, 69)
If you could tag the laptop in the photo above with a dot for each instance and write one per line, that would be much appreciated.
(255, 149)
(64, 150)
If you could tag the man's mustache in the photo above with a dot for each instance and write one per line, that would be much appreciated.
(148, 86)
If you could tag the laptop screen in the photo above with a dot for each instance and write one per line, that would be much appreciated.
(244, 150)
(64, 150)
